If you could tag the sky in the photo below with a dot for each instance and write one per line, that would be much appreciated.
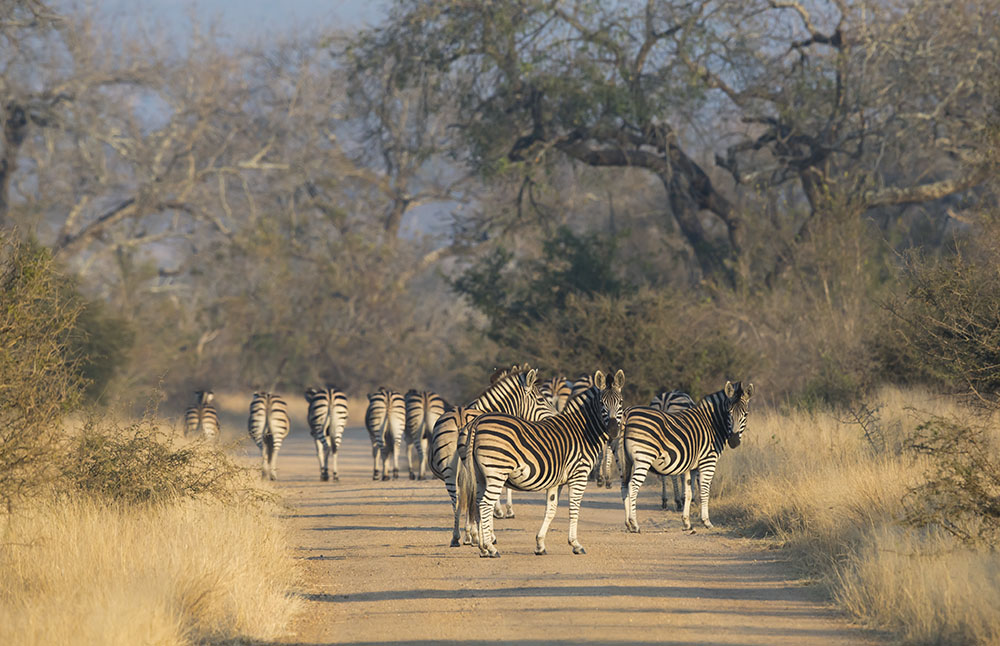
(242, 20)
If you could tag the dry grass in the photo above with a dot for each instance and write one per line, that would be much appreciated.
(815, 484)
(79, 572)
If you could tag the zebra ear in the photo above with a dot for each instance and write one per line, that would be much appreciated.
(599, 380)
(748, 391)
(529, 379)
(619, 380)
(730, 389)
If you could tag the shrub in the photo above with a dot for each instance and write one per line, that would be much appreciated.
(142, 463)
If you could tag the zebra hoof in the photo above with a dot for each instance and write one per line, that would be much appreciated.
(336, 478)
(413, 476)
(579, 550)
(632, 529)
(455, 542)
(324, 477)
(607, 485)
(385, 477)
(678, 504)
(708, 524)
(541, 552)
(509, 513)
(395, 474)
(376, 477)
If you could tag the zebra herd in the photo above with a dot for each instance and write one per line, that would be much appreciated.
(519, 433)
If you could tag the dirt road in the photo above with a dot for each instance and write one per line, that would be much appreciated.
(378, 570)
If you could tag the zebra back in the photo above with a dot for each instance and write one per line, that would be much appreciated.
(580, 385)
(268, 418)
(327, 414)
(557, 390)
(202, 418)
(672, 401)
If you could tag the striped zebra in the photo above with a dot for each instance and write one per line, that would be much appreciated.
(673, 401)
(542, 456)
(601, 472)
(512, 391)
(327, 419)
(268, 426)
(423, 409)
(557, 390)
(676, 443)
(202, 420)
(385, 420)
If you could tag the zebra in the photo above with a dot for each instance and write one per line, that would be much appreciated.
(557, 390)
(542, 456)
(202, 419)
(670, 402)
(268, 426)
(423, 408)
(601, 472)
(511, 390)
(385, 420)
(327, 419)
(676, 443)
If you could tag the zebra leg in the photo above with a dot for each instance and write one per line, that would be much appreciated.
(498, 510)
(576, 488)
(409, 460)
(509, 512)
(376, 454)
(639, 472)
(488, 491)
(269, 458)
(333, 456)
(322, 454)
(696, 485)
(678, 492)
(265, 466)
(686, 512)
(421, 456)
(705, 474)
(397, 445)
(608, 466)
(551, 504)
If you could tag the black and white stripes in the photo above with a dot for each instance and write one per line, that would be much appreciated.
(327, 416)
(202, 420)
(385, 420)
(268, 425)
(542, 456)
(671, 444)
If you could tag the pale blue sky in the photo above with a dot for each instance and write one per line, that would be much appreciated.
(242, 20)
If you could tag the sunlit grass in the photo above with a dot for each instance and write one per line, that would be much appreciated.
(815, 484)
(84, 572)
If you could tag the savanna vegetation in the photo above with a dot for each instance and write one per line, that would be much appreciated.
(798, 193)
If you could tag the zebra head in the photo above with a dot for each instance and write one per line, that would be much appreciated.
(611, 401)
(738, 401)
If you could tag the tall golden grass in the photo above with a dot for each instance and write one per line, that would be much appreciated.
(87, 572)
(815, 484)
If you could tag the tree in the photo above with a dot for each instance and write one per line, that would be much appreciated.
(839, 98)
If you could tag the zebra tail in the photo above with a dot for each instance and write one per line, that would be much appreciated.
(465, 477)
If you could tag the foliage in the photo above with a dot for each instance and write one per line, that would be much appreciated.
(961, 493)
(141, 463)
(661, 340)
(39, 376)
(950, 314)
(509, 290)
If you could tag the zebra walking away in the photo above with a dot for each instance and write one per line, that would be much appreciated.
(671, 402)
(423, 409)
(268, 426)
(512, 391)
(385, 420)
(327, 419)
(202, 420)
(542, 456)
(676, 443)
(557, 390)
